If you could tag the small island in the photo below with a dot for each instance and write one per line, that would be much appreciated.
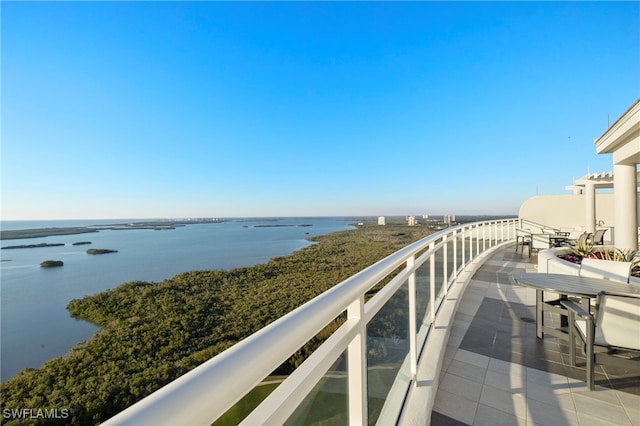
(80, 243)
(100, 251)
(51, 263)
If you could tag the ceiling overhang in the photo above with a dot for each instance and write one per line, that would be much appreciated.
(622, 139)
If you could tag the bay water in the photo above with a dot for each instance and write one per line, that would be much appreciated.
(34, 322)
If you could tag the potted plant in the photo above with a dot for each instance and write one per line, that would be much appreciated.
(585, 249)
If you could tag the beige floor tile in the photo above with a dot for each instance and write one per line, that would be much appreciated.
(545, 393)
(505, 367)
(455, 341)
(558, 405)
(609, 396)
(545, 378)
(456, 407)
(467, 371)
(565, 418)
(601, 410)
(631, 404)
(459, 329)
(461, 386)
(472, 358)
(489, 416)
(588, 420)
(508, 382)
(510, 403)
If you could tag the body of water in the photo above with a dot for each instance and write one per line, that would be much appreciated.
(35, 324)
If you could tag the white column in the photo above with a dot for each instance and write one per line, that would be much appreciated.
(625, 199)
(590, 200)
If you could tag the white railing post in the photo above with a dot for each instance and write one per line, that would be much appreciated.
(413, 328)
(432, 281)
(455, 254)
(477, 240)
(445, 272)
(470, 243)
(464, 250)
(357, 366)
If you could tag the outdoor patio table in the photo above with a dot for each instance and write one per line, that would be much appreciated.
(584, 288)
(558, 240)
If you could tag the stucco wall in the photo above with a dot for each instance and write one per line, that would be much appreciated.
(566, 211)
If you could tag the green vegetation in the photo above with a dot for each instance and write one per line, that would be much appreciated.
(247, 404)
(51, 263)
(43, 232)
(100, 251)
(33, 246)
(151, 333)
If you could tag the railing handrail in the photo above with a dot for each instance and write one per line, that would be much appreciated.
(209, 390)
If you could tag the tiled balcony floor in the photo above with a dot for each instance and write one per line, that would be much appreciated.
(496, 372)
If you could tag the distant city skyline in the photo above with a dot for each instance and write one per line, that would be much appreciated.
(250, 109)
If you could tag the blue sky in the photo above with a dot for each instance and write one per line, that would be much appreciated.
(221, 109)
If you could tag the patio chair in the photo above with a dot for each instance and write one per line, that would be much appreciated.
(523, 238)
(614, 327)
(582, 238)
(598, 237)
(539, 242)
(606, 269)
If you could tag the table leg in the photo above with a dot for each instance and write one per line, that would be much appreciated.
(539, 313)
(564, 321)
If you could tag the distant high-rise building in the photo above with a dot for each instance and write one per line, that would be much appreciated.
(411, 220)
(425, 216)
(382, 220)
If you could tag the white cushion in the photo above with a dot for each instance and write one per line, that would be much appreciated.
(605, 269)
(617, 323)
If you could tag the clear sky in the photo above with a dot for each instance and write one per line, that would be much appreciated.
(221, 109)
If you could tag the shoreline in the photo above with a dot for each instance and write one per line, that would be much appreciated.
(72, 230)
(136, 248)
(186, 330)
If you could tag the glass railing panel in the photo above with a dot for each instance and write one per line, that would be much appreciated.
(469, 247)
(327, 403)
(450, 261)
(439, 277)
(463, 249)
(423, 291)
(387, 348)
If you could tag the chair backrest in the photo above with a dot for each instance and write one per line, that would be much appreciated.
(606, 269)
(520, 232)
(540, 241)
(618, 320)
(583, 237)
(598, 237)
(575, 234)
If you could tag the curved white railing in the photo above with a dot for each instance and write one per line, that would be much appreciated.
(419, 276)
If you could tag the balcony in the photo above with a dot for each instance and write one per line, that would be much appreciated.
(496, 371)
(436, 333)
